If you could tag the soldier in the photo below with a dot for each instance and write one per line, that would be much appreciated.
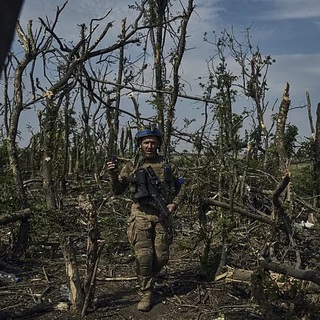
(148, 236)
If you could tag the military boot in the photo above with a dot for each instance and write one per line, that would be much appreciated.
(145, 303)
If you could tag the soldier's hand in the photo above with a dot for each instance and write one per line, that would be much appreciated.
(111, 167)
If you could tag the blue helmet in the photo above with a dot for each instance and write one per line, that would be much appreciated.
(151, 131)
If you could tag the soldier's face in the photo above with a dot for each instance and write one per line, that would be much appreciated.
(149, 146)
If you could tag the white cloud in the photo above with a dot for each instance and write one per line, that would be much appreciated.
(301, 71)
(292, 9)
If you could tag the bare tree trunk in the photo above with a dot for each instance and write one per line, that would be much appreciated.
(115, 130)
(90, 138)
(280, 130)
(28, 44)
(21, 240)
(176, 61)
(33, 162)
(77, 154)
(157, 10)
(66, 145)
(317, 157)
(49, 141)
(309, 106)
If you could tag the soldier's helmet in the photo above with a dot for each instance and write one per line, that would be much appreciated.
(150, 131)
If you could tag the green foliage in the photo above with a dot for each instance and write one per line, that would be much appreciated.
(9, 200)
(303, 178)
(290, 138)
(113, 231)
(46, 227)
(217, 228)
(4, 162)
(265, 291)
(306, 151)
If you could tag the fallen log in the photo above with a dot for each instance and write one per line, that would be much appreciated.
(245, 276)
(235, 275)
(16, 216)
(308, 275)
(34, 311)
(260, 217)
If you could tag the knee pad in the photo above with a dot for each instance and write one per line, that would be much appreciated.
(144, 259)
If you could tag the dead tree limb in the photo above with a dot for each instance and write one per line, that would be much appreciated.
(16, 216)
(280, 129)
(279, 212)
(283, 217)
(279, 190)
(309, 109)
(316, 151)
(260, 217)
(91, 287)
(245, 276)
(308, 275)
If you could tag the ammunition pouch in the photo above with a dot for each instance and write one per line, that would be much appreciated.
(142, 193)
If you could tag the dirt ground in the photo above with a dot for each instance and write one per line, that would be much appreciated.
(184, 289)
(181, 292)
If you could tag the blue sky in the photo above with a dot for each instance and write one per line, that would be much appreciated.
(283, 26)
(288, 30)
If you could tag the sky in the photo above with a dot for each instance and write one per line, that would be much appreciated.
(288, 30)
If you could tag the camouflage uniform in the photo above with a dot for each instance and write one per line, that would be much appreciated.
(147, 236)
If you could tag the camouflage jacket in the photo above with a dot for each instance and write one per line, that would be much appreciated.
(172, 189)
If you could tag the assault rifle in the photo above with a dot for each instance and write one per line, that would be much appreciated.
(149, 192)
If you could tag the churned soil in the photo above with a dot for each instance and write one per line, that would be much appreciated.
(181, 291)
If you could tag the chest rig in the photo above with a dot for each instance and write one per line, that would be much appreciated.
(164, 173)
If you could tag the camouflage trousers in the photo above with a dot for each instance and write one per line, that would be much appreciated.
(151, 245)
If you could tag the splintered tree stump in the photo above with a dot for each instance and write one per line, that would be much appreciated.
(235, 275)
(93, 252)
(81, 295)
(76, 290)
